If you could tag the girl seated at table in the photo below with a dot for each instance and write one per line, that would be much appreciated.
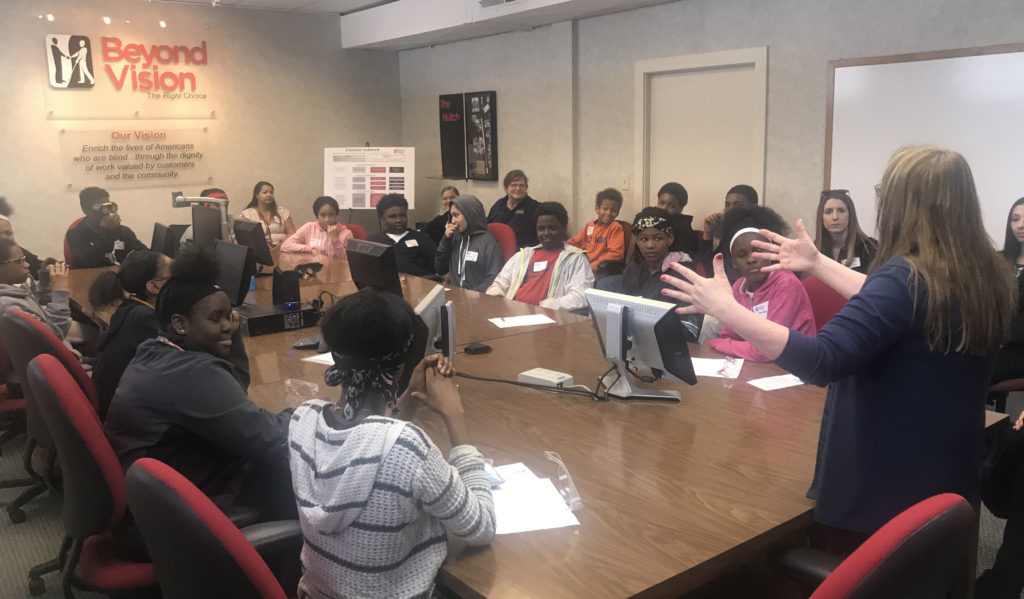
(553, 274)
(48, 300)
(654, 236)
(323, 236)
(276, 220)
(778, 296)
(375, 494)
(468, 253)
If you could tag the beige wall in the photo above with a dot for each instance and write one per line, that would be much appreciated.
(281, 87)
(802, 36)
(532, 75)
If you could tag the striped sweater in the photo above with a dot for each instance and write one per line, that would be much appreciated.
(372, 518)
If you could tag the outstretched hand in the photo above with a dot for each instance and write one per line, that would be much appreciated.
(1020, 422)
(798, 254)
(705, 296)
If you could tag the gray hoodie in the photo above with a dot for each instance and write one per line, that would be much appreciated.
(474, 257)
(50, 307)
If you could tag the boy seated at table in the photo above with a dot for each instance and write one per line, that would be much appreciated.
(654, 235)
(553, 274)
(414, 250)
(778, 296)
(603, 238)
(375, 494)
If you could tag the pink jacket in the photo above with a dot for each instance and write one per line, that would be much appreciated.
(781, 299)
(311, 235)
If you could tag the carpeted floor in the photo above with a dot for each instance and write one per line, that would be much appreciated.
(38, 539)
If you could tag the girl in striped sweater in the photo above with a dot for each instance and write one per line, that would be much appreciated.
(375, 494)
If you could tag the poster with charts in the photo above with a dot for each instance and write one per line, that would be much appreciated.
(359, 177)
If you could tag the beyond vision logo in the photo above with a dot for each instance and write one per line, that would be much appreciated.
(70, 60)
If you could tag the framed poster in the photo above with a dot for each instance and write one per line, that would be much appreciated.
(453, 136)
(359, 177)
(481, 135)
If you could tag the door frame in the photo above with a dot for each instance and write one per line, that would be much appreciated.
(645, 70)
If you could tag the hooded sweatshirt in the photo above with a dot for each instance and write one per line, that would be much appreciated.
(372, 500)
(50, 307)
(781, 299)
(571, 278)
(473, 257)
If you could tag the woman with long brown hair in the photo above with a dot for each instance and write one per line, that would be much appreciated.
(276, 220)
(907, 360)
(839, 235)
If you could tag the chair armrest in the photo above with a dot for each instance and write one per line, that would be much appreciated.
(241, 515)
(807, 566)
(272, 537)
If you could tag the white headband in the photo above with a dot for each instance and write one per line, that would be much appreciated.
(742, 231)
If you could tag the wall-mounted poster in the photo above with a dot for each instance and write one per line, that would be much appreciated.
(359, 177)
(453, 136)
(481, 136)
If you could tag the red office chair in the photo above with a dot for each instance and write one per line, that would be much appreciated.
(506, 238)
(67, 247)
(197, 551)
(94, 499)
(12, 412)
(921, 553)
(358, 232)
(825, 302)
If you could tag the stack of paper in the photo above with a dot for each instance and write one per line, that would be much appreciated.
(525, 502)
(771, 383)
(520, 321)
(326, 359)
(725, 368)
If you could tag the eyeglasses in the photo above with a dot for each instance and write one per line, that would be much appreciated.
(835, 192)
(105, 208)
(23, 260)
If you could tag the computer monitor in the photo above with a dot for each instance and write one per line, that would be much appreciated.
(373, 265)
(237, 267)
(638, 336)
(251, 234)
(439, 316)
(205, 227)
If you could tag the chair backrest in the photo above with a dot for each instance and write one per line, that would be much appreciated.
(357, 231)
(27, 337)
(67, 247)
(825, 301)
(94, 500)
(506, 238)
(627, 233)
(197, 551)
(922, 553)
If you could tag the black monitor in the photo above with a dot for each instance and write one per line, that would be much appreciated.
(251, 234)
(373, 265)
(237, 267)
(165, 239)
(205, 227)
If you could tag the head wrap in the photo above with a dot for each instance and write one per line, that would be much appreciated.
(178, 296)
(359, 375)
(742, 231)
(653, 222)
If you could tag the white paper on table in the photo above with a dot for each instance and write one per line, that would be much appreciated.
(725, 368)
(523, 504)
(326, 359)
(771, 383)
(520, 321)
(515, 472)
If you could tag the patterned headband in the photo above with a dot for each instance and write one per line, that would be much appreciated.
(374, 373)
(653, 222)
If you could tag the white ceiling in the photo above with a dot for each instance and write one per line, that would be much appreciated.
(326, 6)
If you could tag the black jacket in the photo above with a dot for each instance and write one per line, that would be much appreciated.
(435, 228)
(414, 253)
(93, 247)
(132, 323)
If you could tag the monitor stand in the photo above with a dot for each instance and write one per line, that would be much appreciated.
(617, 382)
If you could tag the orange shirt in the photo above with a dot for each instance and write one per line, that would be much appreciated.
(602, 242)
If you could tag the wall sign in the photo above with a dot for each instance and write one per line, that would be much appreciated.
(472, 119)
(359, 177)
(135, 156)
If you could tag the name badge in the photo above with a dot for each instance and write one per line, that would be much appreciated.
(540, 266)
(520, 212)
(761, 310)
(118, 245)
(471, 256)
(590, 230)
(411, 243)
(855, 262)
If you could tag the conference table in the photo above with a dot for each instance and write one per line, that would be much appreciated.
(674, 494)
